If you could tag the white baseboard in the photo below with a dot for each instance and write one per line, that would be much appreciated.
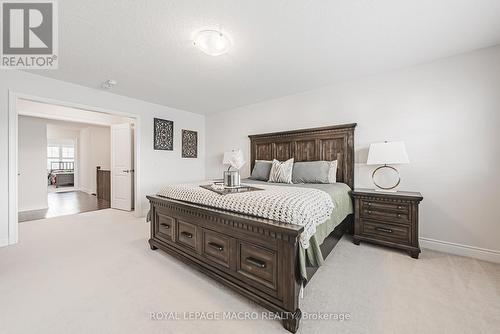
(33, 208)
(462, 250)
(88, 191)
(4, 242)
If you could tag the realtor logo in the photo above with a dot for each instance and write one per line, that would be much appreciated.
(29, 34)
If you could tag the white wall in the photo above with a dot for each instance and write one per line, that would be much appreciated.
(57, 130)
(32, 160)
(448, 114)
(156, 167)
(95, 150)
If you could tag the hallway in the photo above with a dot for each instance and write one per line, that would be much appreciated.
(65, 203)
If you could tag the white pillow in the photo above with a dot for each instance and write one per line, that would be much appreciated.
(281, 172)
(332, 172)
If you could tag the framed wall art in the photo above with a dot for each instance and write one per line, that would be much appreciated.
(163, 134)
(189, 144)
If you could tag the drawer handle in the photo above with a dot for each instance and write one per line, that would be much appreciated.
(383, 229)
(165, 225)
(399, 216)
(187, 235)
(400, 207)
(216, 246)
(255, 262)
(369, 203)
(369, 212)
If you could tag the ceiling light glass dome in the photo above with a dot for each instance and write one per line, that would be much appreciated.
(212, 42)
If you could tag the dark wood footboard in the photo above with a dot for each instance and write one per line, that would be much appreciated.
(255, 257)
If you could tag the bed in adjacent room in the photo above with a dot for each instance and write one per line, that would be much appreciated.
(266, 244)
(61, 174)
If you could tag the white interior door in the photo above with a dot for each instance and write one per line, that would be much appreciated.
(122, 167)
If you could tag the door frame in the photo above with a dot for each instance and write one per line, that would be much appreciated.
(13, 153)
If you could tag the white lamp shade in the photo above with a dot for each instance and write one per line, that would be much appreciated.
(234, 158)
(227, 158)
(387, 153)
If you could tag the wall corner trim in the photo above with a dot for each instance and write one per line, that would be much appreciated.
(478, 253)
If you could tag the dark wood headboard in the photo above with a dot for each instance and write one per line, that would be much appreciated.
(325, 143)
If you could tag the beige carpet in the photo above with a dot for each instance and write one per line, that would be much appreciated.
(95, 273)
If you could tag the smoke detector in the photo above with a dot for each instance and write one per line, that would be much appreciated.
(108, 84)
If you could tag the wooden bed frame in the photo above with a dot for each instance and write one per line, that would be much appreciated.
(256, 257)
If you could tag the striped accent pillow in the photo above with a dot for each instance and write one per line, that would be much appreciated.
(281, 172)
(332, 173)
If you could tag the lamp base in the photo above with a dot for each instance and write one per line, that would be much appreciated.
(386, 189)
(232, 179)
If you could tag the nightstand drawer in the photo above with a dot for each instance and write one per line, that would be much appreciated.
(385, 215)
(374, 205)
(388, 232)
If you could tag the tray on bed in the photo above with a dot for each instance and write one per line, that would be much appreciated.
(221, 190)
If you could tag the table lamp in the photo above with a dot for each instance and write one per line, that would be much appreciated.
(385, 154)
(235, 160)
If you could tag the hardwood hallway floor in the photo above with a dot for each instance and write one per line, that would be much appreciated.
(65, 203)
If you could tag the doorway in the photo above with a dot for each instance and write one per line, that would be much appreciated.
(60, 164)
(74, 181)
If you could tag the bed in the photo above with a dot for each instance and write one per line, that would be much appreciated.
(262, 259)
(61, 174)
(312, 258)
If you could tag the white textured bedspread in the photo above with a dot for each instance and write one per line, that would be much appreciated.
(293, 205)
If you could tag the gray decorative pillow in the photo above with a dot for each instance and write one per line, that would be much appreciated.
(281, 172)
(261, 170)
(315, 172)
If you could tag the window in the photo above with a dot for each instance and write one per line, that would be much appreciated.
(53, 152)
(60, 157)
(68, 152)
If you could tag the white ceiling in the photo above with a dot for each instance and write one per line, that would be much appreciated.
(280, 47)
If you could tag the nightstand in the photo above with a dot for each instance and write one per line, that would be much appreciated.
(387, 218)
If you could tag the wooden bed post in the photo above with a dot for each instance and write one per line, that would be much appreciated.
(292, 282)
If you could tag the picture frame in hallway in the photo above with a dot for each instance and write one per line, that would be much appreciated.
(189, 144)
(163, 134)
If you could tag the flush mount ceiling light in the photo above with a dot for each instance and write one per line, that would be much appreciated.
(212, 42)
